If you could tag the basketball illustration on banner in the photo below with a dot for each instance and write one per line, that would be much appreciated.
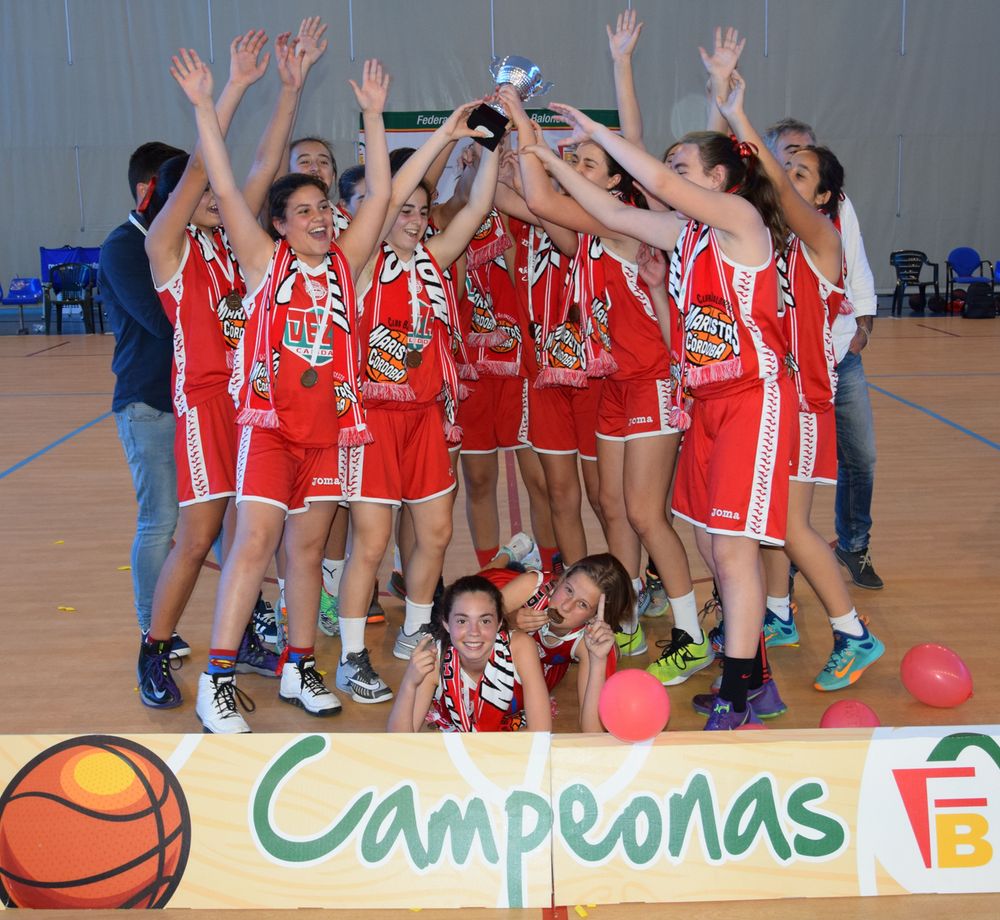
(93, 822)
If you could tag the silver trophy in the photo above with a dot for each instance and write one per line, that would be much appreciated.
(512, 70)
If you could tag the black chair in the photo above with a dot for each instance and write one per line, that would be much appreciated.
(909, 264)
(965, 267)
(70, 284)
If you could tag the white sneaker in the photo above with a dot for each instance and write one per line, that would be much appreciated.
(519, 547)
(355, 675)
(302, 685)
(216, 706)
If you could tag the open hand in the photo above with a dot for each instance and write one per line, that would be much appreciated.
(622, 40)
(193, 75)
(246, 65)
(423, 660)
(732, 103)
(291, 69)
(725, 55)
(652, 265)
(374, 88)
(581, 126)
(311, 43)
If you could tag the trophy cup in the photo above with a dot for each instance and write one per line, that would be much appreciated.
(525, 77)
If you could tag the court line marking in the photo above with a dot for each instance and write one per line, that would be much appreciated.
(936, 417)
(43, 350)
(54, 444)
(942, 331)
(513, 497)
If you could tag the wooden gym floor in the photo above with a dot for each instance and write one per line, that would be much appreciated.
(70, 637)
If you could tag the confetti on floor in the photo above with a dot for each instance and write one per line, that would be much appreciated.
(124, 568)
(59, 542)
(580, 912)
(67, 609)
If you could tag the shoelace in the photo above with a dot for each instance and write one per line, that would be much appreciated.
(226, 696)
(712, 605)
(310, 678)
(363, 669)
(865, 562)
(673, 645)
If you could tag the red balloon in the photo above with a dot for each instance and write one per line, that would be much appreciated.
(849, 714)
(936, 675)
(634, 705)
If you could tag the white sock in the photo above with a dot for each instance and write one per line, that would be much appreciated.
(397, 560)
(781, 607)
(632, 624)
(849, 623)
(686, 615)
(417, 615)
(281, 593)
(333, 569)
(352, 636)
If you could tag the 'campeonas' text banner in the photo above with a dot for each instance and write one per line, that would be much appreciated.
(397, 821)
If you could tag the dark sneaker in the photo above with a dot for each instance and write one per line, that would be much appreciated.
(355, 675)
(397, 585)
(254, 657)
(724, 718)
(376, 614)
(216, 706)
(767, 702)
(302, 685)
(156, 684)
(860, 566)
(178, 647)
(265, 623)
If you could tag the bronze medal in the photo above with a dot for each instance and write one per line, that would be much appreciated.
(233, 301)
(309, 377)
(414, 358)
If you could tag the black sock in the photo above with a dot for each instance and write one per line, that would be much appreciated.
(760, 671)
(736, 674)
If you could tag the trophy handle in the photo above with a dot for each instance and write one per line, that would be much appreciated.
(495, 66)
(544, 88)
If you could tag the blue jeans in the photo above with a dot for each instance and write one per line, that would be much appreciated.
(855, 456)
(147, 436)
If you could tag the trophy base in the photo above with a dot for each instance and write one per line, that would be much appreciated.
(488, 117)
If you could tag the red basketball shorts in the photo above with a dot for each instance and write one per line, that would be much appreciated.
(634, 409)
(272, 469)
(735, 461)
(205, 451)
(563, 420)
(814, 452)
(407, 462)
(495, 415)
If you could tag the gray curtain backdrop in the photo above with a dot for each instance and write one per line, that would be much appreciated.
(904, 91)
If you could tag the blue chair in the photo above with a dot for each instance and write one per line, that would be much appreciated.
(965, 267)
(70, 284)
(20, 293)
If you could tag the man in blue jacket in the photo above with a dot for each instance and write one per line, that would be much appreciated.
(142, 403)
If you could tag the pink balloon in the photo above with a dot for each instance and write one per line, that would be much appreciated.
(634, 705)
(936, 675)
(849, 714)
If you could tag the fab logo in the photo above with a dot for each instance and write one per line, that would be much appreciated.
(931, 820)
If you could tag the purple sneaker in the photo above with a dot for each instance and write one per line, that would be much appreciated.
(724, 718)
(767, 702)
(254, 657)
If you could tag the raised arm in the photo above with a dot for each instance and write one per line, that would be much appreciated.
(606, 211)
(653, 266)
(253, 247)
(622, 42)
(451, 242)
(294, 58)
(537, 706)
(415, 168)
(814, 228)
(543, 200)
(598, 644)
(165, 240)
(730, 214)
(720, 65)
(359, 240)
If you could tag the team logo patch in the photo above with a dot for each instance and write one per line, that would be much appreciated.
(301, 329)
(710, 335)
(565, 345)
(485, 228)
(346, 398)
(510, 329)
(483, 320)
(386, 355)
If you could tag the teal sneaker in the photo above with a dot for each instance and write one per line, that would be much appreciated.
(779, 632)
(328, 622)
(681, 657)
(630, 644)
(850, 658)
(652, 603)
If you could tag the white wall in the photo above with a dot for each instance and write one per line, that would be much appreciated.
(86, 81)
